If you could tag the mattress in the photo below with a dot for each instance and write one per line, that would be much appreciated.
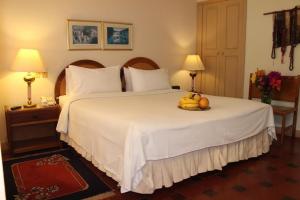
(122, 132)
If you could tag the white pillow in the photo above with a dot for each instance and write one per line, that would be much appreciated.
(87, 81)
(68, 80)
(62, 100)
(128, 80)
(146, 80)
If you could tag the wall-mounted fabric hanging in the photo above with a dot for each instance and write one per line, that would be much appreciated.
(294, 33)
(286, 32)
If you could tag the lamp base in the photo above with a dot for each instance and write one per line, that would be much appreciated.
(29, 106)
(29, 78)
(193, 74)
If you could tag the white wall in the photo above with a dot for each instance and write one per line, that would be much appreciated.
(164, 30)
(259, 40)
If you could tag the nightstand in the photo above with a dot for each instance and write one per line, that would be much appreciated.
(30, 129)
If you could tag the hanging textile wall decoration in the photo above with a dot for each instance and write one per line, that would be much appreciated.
(286, 32)
(294, 34)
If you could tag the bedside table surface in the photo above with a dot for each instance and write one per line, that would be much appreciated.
(38, 107)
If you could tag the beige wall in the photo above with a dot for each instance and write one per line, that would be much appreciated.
(164, 30)
(259, 40)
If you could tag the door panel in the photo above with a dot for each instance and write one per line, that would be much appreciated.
(232, 26)
(234, 47)
(211, 27)
(208, 77)
(210, 47)
(230, 76)
(220, 78)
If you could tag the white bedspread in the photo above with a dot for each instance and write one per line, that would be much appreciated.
(149, 126)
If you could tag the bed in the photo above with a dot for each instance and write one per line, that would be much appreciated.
(144, 142)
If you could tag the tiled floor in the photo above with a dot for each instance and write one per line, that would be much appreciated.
(274, 176)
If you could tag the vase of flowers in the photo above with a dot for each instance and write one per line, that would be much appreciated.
(267, 84)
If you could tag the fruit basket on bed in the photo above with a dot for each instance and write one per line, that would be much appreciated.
(194, 102)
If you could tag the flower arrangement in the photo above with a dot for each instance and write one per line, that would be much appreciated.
(267, 83)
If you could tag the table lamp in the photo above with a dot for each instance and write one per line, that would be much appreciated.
(28, 60)
(193, 63)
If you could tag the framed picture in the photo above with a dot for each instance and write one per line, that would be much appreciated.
(84, 35)
(117, 36)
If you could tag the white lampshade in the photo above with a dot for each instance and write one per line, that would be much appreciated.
(193, 63)
(28, 60)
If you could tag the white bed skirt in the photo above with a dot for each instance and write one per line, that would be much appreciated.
(166, 172)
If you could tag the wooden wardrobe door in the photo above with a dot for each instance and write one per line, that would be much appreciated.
(210, 47)
(232, 56)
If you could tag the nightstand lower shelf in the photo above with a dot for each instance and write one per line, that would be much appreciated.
(35, 144)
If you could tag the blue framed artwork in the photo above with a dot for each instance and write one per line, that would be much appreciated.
(84, 35)
(117, 36)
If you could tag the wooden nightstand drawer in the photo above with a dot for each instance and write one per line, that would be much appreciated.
(30, 129)
(38, 115)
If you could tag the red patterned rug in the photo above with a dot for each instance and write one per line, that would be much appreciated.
(58, 175)
(47, 178)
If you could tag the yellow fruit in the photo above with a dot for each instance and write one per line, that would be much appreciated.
(189, 95)
(203, 103)
(189, 106)
(197, 97)
(185, 100)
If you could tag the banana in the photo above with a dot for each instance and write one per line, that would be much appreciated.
(189, 95)
(189, 106)
(188, 101)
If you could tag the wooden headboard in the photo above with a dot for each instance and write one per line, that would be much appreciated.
(60, 85)
(139, 63)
